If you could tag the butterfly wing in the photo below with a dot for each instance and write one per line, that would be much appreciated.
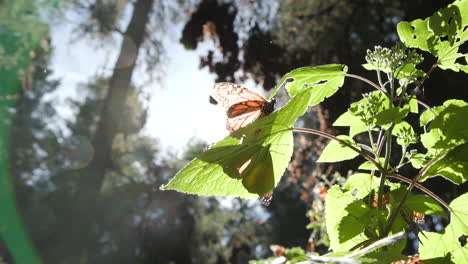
(243, 106)
(230, 94)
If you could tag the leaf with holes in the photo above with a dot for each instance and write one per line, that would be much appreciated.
(442, 34)
(323, 80)
(449, 246)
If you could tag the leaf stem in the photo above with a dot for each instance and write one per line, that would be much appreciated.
(422, 188)
(380, 88)
(403, 153)
(424, 79)
(323, 134)
(367, 81)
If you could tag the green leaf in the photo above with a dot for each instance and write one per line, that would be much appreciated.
(418, 159)
(391, 115)
(295, 254)
(374, 110)
(367, 108)
(361, 184)
(442, 34)
(408, 73)
(373, 67)
(413, 104)
(370, 166)
(454, 166)
(323, 80)
(357, 219)
(385, 257)
(335, 211)
(404, 133)
(336, 151)
(424, 204)
(355, 124)
(395, 197)
(429, 115)
(448, 127)
(267, 144)
(447, 244)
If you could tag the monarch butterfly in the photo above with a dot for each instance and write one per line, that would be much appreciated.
(243, 106)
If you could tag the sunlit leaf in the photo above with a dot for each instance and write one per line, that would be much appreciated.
(375, 110)
(323, 80)
(371, 166)
(355, 124)
(361, 184)
(262, 149)
(413, 104)
(448, 127)
(391, 115)
(404, 133)
(442, 34)
(408, 73)
(448, 244)
(424, 204)
(336, 151)
(335, 211)
(454, 166)
(418, 159)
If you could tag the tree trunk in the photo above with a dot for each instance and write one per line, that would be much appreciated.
(86, 210)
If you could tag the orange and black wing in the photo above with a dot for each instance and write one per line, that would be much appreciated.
(243, 106)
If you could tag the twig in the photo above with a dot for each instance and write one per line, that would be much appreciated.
(348, 259)
(320, 259)
(378, 244)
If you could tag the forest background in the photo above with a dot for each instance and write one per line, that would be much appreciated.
(88, 151)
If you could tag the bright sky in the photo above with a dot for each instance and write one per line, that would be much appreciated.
(179, 108)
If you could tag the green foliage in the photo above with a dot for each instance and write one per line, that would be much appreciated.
(367, 208)
(336, 151)
(266, 143)
(441, 34)
(454, 166)
(323, 80)
(448, 246)
(447, 128)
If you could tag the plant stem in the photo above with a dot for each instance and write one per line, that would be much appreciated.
(388, 150)
(403, 152)
(410, 187)
(379, 78)
(371, 140)
(424, 79)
